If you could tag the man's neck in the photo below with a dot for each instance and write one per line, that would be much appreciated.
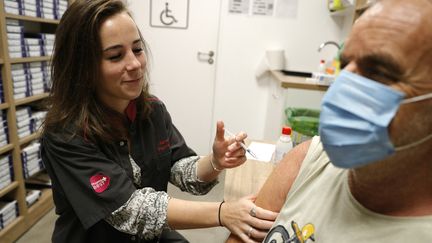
(395, 187)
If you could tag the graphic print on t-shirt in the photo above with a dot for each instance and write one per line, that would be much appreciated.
(99, 182)
(279, 234)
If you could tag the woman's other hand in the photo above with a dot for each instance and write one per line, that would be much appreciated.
(246, 220)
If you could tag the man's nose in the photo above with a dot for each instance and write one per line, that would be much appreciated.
(351, 67)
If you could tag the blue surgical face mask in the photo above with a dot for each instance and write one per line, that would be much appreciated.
(354, 120)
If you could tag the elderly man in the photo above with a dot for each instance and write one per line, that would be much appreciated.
(368, 177)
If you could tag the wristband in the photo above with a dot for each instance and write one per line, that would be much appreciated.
(213, 166)
(219, 213)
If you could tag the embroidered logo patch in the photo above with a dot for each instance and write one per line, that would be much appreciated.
(163, 145)
(100, 182)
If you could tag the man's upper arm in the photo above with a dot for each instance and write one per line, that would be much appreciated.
(274, 191)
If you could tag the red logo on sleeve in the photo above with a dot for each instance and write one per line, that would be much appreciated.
(100, 182)
(163, 145)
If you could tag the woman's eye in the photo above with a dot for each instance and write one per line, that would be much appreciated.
(137, 50)
(114, 57)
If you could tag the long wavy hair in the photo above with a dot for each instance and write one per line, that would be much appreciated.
(75, 70)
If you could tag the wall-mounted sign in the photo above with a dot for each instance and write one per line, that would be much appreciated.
(270, 8)
(263, 7)
(238, 6)
(169, 14)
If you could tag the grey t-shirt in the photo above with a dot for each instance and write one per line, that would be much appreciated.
(320, 206)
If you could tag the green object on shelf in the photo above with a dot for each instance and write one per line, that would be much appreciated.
(337, 5)
(302, 120)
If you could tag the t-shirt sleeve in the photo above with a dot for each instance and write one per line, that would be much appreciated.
(93, 184)
(315, 161)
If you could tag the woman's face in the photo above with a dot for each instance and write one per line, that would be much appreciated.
(123, 62)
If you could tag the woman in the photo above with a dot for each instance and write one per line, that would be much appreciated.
(110, 147)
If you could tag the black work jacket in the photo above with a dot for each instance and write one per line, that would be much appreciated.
(90, 180)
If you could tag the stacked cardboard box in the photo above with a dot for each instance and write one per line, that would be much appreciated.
(13, 6)
(8, 212)
(2, 97)
(32, 196)
(15, 36)
(23, 115)
(31, 159)
(4, 131)
(30, 79)
(6, 171)
(48, 9)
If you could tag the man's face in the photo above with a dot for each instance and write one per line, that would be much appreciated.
(391, 44)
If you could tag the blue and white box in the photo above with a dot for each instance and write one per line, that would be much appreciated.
(23, 115)
(6, 171)
(31, 159)
(8, 212)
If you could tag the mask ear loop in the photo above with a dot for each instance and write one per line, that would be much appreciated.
(417, 98)
(412, 100)
(403, 147)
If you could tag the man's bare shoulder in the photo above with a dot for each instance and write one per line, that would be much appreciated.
(273, 193)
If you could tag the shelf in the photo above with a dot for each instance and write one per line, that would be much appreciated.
(29, 138)
(33, 19)
(16, 190)
(6, 148)
(14, 230)
(42, 206)
(4, 106)
(30, 99)
(9, 188)
(297, 82)
(30, 59)
(344, 12)
(39, 180)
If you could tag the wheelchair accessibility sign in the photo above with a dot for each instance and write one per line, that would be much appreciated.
(169, 13)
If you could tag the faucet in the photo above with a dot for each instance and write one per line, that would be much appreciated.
(336, 61)
(329, 43)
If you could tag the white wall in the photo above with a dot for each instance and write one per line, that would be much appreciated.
(245, 103)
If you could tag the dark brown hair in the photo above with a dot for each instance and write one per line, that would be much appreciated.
(75, 70)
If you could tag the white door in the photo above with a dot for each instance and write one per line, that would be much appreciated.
(181, 77)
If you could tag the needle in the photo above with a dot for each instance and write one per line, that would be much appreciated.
(241, 144)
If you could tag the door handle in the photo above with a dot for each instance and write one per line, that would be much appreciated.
(206, 56)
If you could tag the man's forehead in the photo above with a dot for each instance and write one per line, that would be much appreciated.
(391, 25)
(393, 37)
(412, 13)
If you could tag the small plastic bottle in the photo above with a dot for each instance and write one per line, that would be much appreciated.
(283, 145)
(322, 67)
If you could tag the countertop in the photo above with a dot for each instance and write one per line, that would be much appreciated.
(288, 81)
(246, 179)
